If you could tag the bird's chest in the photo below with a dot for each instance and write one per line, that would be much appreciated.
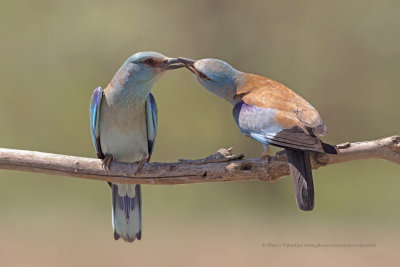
(123, 131)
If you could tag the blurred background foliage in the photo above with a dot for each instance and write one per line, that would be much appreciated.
(342, 56)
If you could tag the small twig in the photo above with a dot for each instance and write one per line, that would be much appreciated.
(222, 166)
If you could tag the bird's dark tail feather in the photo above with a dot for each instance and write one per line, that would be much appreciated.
(300, 168)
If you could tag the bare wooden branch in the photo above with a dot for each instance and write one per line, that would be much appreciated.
(222, 166)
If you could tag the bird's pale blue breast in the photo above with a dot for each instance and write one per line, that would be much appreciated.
(123, 130)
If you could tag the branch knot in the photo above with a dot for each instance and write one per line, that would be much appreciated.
(222, 155)
(396, 143)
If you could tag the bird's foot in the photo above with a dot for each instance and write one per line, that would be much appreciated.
(140, 166)
(107, 161)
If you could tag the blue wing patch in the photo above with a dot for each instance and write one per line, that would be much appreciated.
(95, 104)
(256, 122)
(259, 124)
(152, 121)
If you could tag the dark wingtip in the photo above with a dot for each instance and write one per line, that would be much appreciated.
(329, 149)
(116, 236)
(139, 235)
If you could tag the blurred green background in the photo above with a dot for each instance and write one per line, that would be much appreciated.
(342, 56)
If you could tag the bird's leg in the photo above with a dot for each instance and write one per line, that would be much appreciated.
(107, 161)
(265, 154)
(141, 164)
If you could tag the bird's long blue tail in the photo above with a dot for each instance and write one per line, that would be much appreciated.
(127, 211)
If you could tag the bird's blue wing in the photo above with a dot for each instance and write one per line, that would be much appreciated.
(95, 104)
(260, 124)
(152, 120)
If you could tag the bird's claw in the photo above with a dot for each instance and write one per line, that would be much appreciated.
(106, 162)
(140, 166)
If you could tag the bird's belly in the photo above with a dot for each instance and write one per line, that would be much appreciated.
(128, 146)
(124, 137)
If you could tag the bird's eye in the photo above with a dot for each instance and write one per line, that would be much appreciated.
(203, 76)
(149, 61)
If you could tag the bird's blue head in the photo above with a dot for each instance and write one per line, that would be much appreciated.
(144, 69)
(215, 75)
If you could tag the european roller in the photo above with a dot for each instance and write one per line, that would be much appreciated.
(270, 113)
(123, 124)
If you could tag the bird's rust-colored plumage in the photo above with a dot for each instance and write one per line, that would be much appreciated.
(293, 110)
(270, 113)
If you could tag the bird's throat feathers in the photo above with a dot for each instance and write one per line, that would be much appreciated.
(126, 87)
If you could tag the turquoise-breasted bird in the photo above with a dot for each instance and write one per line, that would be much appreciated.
(270, 113)
(123, 124)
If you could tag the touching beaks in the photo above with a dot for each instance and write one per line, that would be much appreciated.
(188, 63)
(172, 64)
(186, 60)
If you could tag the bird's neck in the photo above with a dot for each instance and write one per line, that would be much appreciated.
(230, 91)
(245, 83)
(127, 93)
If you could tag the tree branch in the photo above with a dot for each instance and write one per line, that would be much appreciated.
(222, 166)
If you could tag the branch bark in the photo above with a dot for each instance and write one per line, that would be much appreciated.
(222, 166)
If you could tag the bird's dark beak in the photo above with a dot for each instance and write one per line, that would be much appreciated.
(172, 64)
(187, 61)
(189, 64)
